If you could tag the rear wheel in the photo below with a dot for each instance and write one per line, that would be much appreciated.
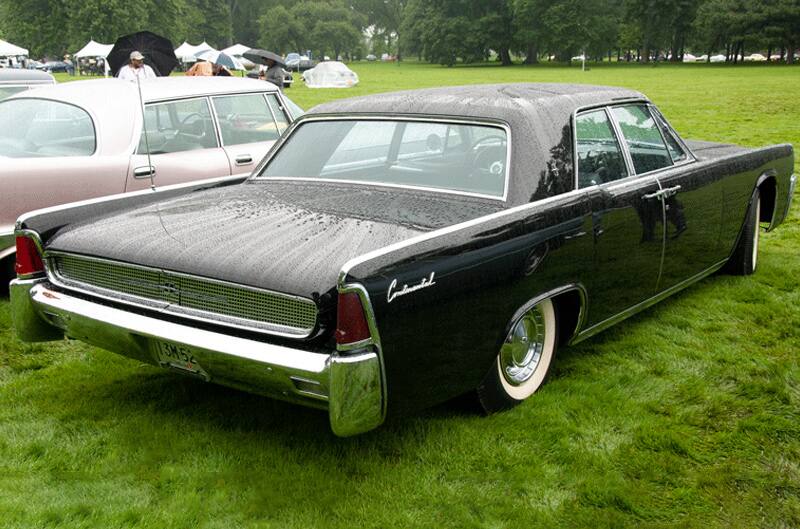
(523, 361)
(744, 260)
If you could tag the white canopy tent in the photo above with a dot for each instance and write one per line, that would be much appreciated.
(237, 50)
(94, 49)
(11, 50)
(187, 52)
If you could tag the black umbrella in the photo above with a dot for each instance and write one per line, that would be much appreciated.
(261, 57)
(157, 50)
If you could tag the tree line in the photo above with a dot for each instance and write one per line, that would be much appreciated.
(439, 31)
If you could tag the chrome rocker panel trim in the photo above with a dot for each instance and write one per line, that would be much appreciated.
(350, 385)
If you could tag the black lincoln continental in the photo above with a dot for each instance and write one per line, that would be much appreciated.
(395, 251)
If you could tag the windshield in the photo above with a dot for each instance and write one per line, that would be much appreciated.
(39, 128)
(449, 157)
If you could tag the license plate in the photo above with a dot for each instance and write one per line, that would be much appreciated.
(179, 357)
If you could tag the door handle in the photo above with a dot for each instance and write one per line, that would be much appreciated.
(244, 159)
(650, 196)
(145, 171)
(671, 191)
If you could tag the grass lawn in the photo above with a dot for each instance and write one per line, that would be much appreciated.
(687, 415)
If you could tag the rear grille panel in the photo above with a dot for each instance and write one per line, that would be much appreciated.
(186, 295)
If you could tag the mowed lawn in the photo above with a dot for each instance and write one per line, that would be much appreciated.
(686, 415)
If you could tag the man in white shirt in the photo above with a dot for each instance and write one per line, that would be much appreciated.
(136, 69)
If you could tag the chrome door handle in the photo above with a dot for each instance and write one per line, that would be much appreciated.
(244, 159)
(650, 196)
(671, 191)
(145, 171)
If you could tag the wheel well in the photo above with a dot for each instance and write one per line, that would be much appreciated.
(568, 307)
(767, 190)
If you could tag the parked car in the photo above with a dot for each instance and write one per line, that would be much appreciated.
(398, 250)
(300, 63)
(84, 139)
(331, 74)
(14, 81)
(55, 67)
(288, 78)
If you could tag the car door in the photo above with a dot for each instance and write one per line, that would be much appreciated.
(694, 207)
(627, 222)
(182, 143)
(249, 125)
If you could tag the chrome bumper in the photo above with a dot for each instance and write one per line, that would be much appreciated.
(348, 385)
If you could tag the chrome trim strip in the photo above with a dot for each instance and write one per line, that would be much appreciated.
(393, 117)
(199, 183)
(550, 294)
(194, 314)
(605, 324)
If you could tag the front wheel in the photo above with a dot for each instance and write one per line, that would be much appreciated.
(523, 361)
(744, 259)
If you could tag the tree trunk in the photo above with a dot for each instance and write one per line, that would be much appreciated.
(727, 52)
(741, 48)
(531, 54)
(505, 57)
(790, 57)
(769, 54)
(783, 54)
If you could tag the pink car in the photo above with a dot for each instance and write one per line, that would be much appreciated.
(85, 139)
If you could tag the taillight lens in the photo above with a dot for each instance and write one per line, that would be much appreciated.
(29, 260)
(351, 322)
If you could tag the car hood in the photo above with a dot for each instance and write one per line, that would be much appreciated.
(287, 237)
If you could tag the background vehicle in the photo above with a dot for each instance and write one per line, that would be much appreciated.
(55, 67)
(423, 254)
(84, 139)
(13, 81)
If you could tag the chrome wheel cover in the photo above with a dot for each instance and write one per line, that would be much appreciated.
(521, 353)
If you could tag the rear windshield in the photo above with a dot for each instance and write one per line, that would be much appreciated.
(441, 156)
(39, 128)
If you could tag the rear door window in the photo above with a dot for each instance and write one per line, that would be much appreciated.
(600, 157)
(178, 126)
(642, 137)
(245, 118)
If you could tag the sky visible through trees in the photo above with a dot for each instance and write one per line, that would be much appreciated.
(439, 31)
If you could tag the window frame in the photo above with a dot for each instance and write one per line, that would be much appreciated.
(450, 120)
(172, 101)
(617, 134)
(654, 113)
(85, 111)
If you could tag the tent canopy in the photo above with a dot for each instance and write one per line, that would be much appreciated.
(237, 50)
(9, 50)
(94, 49)
(187, 52)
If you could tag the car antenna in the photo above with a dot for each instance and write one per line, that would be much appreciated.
(150, 167)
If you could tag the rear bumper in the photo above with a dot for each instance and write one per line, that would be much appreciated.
(348, 385)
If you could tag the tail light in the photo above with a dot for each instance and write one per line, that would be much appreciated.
(29, 260)
(351, 322)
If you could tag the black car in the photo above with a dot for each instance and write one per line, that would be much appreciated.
(56, 67)
(398, 250)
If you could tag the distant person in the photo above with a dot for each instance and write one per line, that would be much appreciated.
(200, 69)
(274, 73)
(70, 64)
(220, 71)
(136, 69)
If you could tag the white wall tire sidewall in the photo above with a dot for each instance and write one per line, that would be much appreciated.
(756, 233)
(527, 388)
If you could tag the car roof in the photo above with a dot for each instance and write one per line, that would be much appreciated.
(499, 101)
(16, 75)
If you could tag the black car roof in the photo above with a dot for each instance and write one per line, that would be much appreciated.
(502, 101)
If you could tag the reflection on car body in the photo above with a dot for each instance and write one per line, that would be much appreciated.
(398, 250)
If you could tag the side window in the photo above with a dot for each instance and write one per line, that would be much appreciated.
(677, 152)
(245, 119)
(599, 155)
(280, 115)
(422, 139)
(178, 126)
(644, 141)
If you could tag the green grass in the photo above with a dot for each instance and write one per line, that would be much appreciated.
(687, 415)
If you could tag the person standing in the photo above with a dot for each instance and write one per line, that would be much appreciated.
(274, 73)
(136, 69)
(200, 68)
